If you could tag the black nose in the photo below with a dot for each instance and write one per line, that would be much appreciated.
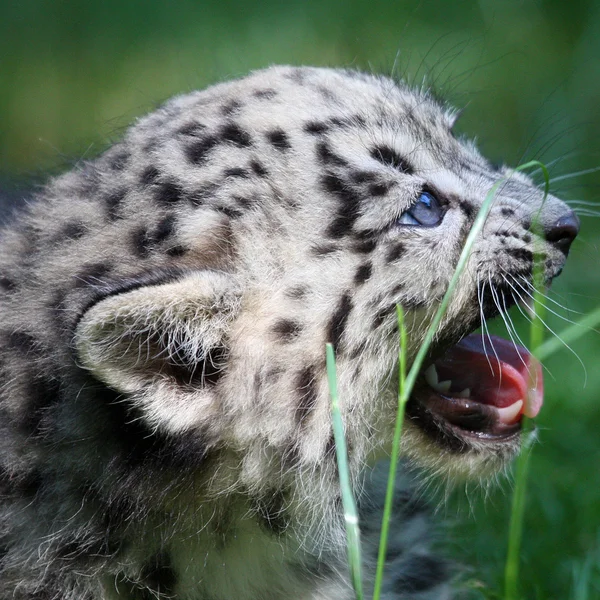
(563, 232)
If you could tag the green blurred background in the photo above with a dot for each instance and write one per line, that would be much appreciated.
(74, 74)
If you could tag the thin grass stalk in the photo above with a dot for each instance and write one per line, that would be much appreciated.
(389, 495)
(536, 337)
(568, 335)
(350, 510)
(408, 382)
(460, 267)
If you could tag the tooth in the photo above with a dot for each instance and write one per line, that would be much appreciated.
(509, 414)
(466, 393)
(444, 386)
(431, 376)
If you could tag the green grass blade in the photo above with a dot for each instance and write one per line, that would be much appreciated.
(570, 334)
(350, 511)
(408, 382)
(536, 336)
(389, 495)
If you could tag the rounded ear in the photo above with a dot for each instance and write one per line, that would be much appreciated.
(168, 334)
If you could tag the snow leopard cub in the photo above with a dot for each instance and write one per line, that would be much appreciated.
(165, 308)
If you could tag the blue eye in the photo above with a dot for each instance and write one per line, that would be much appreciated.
(425, 212)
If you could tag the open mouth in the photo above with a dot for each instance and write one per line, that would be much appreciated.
(480, 388)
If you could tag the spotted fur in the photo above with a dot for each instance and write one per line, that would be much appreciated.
(165, 426)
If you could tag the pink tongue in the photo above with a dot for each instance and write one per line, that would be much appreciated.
(495, 371)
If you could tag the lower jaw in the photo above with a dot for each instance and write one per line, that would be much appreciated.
(459, 438)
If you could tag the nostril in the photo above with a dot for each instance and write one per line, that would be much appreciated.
(564, 231)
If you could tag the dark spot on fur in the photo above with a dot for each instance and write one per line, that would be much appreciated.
(521, 254)
(236, 172)
(113, 203)
(389, 157)
(365, 246)
(258, 169)
(42, 393)
(73, 230)
(363, 273)
(338, 321)
(231, 107)
(468, 209)
(244, 202)
(397, 251)
(149, 175)
(141, 241)
(397, 289)
(327, 156)
(7, 284)
(197, 152)
(177, 251)
(159, 575)
(230, 211)
(21, 341)
(119, 160)
(297, 292)
(169, 193)
(92, 274)
(192, 129)
(380, 317)
(324, 249)
(234, 134)
(202, 194)
(348, 207)
(279, 139)
(306, 385)
(287, 330)
(266, 94)
(363, 176)
(270, 509)
(420, 573)
(380, 189)
(507, 212)
(316, 127)
(164, 229)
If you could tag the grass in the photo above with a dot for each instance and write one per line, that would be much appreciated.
(538, 350)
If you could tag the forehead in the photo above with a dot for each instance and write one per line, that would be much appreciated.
(295, 96)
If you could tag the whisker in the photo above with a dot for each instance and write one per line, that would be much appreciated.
(576, 174)
(488, 333)
(484, 328)
(582, 202)
(509, 328)
(560, 339)
(546, 296)
(511, 321)
(547, 307)
(586, 212)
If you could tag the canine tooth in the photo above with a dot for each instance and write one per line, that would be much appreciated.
(431, 376)
(466, 393)
(444, 386)
(510, 413)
